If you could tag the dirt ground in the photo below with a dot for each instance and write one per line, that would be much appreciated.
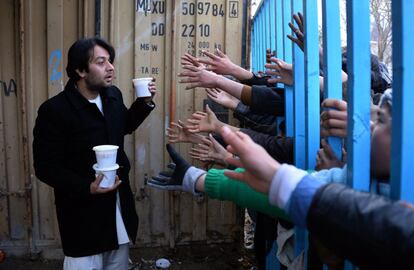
(195, 257)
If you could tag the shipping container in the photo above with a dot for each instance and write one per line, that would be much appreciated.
(149, 37)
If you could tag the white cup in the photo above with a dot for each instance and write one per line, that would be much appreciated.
(105, 155)
(109, 175)
(141, 87)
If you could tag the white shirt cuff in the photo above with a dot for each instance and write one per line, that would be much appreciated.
(284, 183)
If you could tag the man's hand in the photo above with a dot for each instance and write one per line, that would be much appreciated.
(180, 133)
(299, 37)
(260, 167)
(282, 70)
(198, 77)
(210, 150)
(188, 59)
(219, 64)
(334, 118)
(95, 189)
(204, 122)
(222, 98)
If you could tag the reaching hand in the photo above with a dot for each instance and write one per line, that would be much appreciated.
(175, 181)
(326, 158)
(222, 98)
(299, 38)
(282, 70)
(210, 150)
(184, 176)
(198, 77)
(260, 167)
(180, 133)
(334, 118)
(204, 122)
(220, 63)
(188, 59)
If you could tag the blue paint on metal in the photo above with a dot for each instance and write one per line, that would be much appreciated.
(358, 55)
(402, 148)
(312, 92)
(54, 61)
(332, 60)
(279, 30)
(299, 98)
(273, 37)
(287, 52)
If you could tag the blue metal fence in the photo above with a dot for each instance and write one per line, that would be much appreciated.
(303, 99)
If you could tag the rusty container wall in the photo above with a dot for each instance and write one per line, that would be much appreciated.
(149, 38)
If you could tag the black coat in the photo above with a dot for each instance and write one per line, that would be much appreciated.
(369, 230)
(67, 127)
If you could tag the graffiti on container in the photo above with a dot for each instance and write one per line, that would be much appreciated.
(8, 89)
(150, 6)
(202, 8)
(54, 61)
(150, 70)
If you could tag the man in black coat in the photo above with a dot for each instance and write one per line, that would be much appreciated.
(96, 224)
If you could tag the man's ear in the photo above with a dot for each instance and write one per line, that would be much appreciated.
(81, 74)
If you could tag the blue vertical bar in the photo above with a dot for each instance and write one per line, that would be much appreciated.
(253, 46)
(267, 25)
(359, 79)
(272, 23)
(312, 92)
(279, 29)
(332, 60)
(299, 122)
(287, 52)
(263, 39)
(402, 149)
(298, 97)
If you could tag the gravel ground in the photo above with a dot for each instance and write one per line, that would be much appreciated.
(195, 257)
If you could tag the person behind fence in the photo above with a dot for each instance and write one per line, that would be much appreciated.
(301, 194)
(96, 224)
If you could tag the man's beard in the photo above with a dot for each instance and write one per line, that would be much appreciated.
(95, 87)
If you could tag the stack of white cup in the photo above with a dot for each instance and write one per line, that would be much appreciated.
(106, 164)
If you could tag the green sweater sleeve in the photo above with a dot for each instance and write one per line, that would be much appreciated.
(219, 186)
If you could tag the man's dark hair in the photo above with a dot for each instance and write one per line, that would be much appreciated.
(81, 52)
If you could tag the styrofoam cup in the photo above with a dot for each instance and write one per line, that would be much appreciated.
(109, 174)
(105, 155)
(141, 87)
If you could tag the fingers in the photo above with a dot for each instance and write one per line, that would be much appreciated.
(274, 80)
(210, 55)
(234, 161)
(328, 150)
(335, 103)
(220, 53)
(212, 93)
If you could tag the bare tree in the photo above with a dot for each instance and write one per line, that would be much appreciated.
(381, 11)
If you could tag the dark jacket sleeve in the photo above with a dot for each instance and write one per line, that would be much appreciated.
(268, 100)
(137, 114)
(257, 122)
(369, 230)
(280, 148)
(256, 80)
